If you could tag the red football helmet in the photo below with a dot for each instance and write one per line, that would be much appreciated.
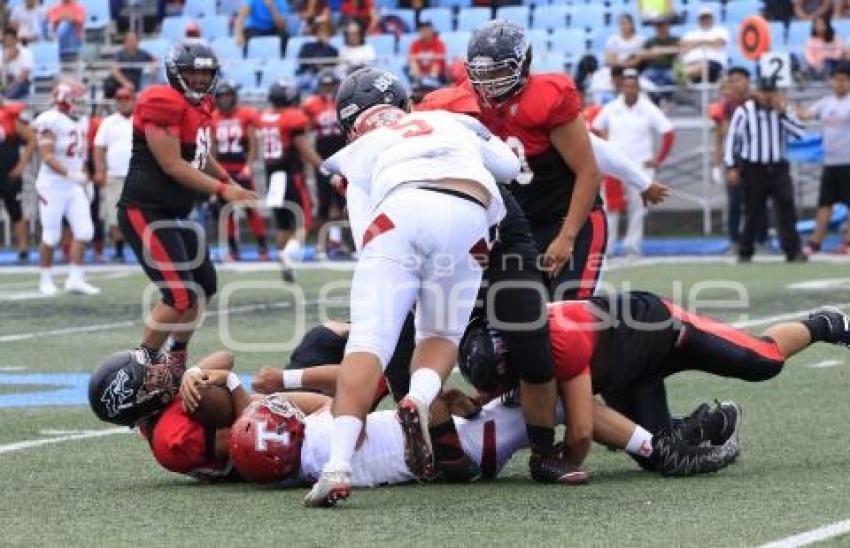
(69, 96)
(375, 117)
(265, 441)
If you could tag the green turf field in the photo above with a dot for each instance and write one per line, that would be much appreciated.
(793, 474)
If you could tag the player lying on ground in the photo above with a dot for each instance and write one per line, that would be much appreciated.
(623, 346)
(187, 425)
(312, 367)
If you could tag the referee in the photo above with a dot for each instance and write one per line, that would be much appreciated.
(755, 156)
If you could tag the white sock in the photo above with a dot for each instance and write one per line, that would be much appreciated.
(346, 431)
(425, 384)
(46, 274)
(76, 272)
(640, 443)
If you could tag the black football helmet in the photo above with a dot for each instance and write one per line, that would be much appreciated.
(498, 60)
(482, 358)
(125, 388)
(327, 80)
(187, 56)
(365, 88)
(226, 95)
(282, 94)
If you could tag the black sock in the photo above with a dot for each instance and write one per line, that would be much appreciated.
(542, 439)
(23, 254)
(261, 244)
(151, 354)
(178, 346)
(818, 327)
(119, 248)
(446, 441)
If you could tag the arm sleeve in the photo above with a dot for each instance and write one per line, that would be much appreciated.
(793, 124)
(499, 159)
(667, 141)
(732, 146)
(615, 164)
(100, 138)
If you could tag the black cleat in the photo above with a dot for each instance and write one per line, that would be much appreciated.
(723, 423)
(691, 429)
(837, 322)
(673, 457)
(555, 469)
(459, 470)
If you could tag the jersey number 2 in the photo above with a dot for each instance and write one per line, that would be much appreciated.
(525, 174)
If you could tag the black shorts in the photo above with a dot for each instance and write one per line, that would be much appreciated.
(286, 218)
(834, 186)
(10, 192)
(579, 277)
(174, 256)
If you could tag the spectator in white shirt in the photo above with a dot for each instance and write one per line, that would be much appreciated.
(355, 53)
(16, 67)
(620, 49)
(629, 122)
(113, 144)
(704, 48)
(30, 20)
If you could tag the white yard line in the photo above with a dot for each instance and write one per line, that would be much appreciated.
(825, 363)
(781, 317)
(83, 435)
(6, 368)
(810, 537)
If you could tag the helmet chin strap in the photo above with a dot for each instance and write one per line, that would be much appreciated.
(193, 96)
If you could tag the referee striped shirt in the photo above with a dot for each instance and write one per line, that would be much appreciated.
(759, 135)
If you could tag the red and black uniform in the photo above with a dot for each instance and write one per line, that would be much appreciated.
(153, 207)
(278, 128)
(321, 110)
(231, 138)
(545, 185)
(183, 445)
(630, 342)
(10, 154)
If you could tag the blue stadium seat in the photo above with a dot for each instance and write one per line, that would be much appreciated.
(842, 28)
(245, 74)
(229, 7)
(408, 16)
(336, 41)
(469, 19)
(293, 24)
(599, 39)
(515, 14)
(440, 18)
(549, 62)
(550, 17)
(199, 8)
(262, 48)
(386, 4)
(384, 44)
(214, 26)
(539, 39)
(158, 47)
(97, 14)
(798, 33)
(226, 49)
(737, 59)
(460, 4)
(591, 16)
(293, 45)
(45, 57)
(275, 70)
(739, 10)
(778, 31)
(404, 42)
(570, 41)
(456, 44)
(174, 27)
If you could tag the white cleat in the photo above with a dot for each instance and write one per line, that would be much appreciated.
(80, 287)
(332, 486)
(47, 288)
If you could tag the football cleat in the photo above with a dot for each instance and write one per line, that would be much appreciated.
(46, 287)
(418, 452)
(837, 322)
(459, 470)
(691, 428)
(727, 415)
(674, 457)
(554, 469)
(333, 486)
(80, 287)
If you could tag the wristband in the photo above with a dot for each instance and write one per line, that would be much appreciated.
(292, 378)
(233, 381)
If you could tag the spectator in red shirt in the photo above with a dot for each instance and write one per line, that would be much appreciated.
(427, 55)
(362, 11)
(67, 22)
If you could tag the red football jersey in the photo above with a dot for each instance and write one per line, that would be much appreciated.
(231, 136)
(277, 130)
(321, 109)
(146, 185)
(183, 445)
(9, 142)
(573, 334)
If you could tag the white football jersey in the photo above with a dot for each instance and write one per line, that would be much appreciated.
(422, 147)
(70, 145)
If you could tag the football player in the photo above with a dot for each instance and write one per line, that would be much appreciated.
(170, 164)
(235, 148)
(624, 346)
(285, 145)
(321, 109)
(63, 186)
(421, 196)
(15, 133)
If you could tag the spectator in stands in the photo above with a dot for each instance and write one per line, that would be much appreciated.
(630, 122)
(779, 10)
(30, 20)
(658, 57)
(417, 5)
(261, 18)
(127, 70)
(355, 52)
(363, 12)
(321, 50)
(621, 48)
(427, 55)
(809, 10)
(314, 11)
(823, 49)
(705, 48)
(16, 67)
(67, 21)
(113, 143)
